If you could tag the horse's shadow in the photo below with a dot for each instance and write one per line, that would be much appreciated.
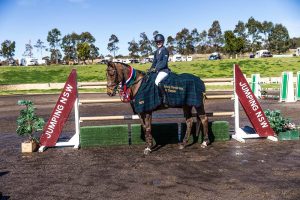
(173, 133)
(4, 173)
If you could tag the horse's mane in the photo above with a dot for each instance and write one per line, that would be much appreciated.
(126, 65)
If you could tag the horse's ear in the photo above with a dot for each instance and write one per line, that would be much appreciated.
(108, 62)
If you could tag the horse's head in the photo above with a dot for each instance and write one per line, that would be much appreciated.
(123, 75)
(112, 78)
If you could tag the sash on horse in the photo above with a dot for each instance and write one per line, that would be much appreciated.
(183, 89)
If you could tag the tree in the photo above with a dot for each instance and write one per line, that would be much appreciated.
(54, 38)
(240, 31)
(170, 45)
(145, 45)
(154, 47)
(155, 33)
(195, 37)
(254, 29)
(279, 39)
(295, 42)
(203, 37)
(8, 49)
(266, 28)
(233, 44)
(133, 49)
(69, 46)
(112, 44)
(28, 50)
(55, 56)
(40, 46)
(184, 42)
(86, 37)
(201, 48)
(94, 52)
(83, 50)
(215, 35)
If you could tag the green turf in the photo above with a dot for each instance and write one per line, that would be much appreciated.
(163, 133)
(203, 68)
(91, 136)
(289, 135)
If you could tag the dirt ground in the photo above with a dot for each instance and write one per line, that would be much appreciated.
(257, 169)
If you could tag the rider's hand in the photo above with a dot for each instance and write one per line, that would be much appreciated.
(153, 70)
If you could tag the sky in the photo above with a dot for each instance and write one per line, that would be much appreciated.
(24, 20)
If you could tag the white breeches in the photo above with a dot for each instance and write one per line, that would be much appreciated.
(160, 77)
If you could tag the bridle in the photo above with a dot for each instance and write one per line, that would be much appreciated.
(121, 86)
(114, 85)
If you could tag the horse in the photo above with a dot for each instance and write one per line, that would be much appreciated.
(118, 74)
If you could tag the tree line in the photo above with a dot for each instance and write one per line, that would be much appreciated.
(246, 37)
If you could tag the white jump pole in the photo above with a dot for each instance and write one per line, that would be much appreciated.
(114, 100)
(156, 116)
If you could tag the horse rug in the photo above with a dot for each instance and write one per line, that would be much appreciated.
(182, 89)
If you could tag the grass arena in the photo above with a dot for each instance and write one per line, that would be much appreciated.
(257, 169)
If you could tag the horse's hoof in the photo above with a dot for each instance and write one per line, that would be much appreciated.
(147, 151)
(204, 144)
(181, 146)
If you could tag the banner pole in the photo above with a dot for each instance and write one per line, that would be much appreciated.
(77, 123)
(238, 134)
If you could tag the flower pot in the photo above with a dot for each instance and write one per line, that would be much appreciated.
(29, 146)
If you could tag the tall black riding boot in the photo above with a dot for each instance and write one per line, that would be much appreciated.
(163, 95)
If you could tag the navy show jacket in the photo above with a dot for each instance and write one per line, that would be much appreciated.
(160, 61)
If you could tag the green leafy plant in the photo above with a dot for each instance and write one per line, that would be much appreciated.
(28, 123)
(277, 122)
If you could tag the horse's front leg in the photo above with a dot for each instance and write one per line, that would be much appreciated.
(189, 124)
(148, 135)
(204, 122)
(142, 119)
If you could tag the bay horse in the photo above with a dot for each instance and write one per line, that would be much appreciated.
(118, 74)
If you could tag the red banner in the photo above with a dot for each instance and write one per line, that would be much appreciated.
(61, 112)
(251, 105)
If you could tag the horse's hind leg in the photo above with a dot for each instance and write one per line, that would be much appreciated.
(148, 135)
(202, 121)
(189, 124)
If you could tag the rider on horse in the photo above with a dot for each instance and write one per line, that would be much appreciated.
(160, 65)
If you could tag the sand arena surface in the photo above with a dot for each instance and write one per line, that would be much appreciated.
(258, 169)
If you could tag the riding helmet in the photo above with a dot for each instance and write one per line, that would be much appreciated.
(159, 37)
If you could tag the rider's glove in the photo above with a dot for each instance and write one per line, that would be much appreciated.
(153, 70)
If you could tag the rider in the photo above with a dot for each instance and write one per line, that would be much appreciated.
(160, 64)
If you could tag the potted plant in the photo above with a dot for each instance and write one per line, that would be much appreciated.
(283, 127)
(28, 123)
